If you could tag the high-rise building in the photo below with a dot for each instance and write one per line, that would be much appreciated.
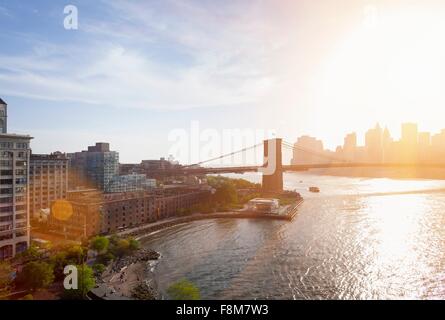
(350, 146)
(424, 146)
(94, 167)
(409, 143)
(409, 133)
(14, 177)
(386, 145)
(438, 147)
(48, 176)
(314, 152)
(3, 116)
(374, 145)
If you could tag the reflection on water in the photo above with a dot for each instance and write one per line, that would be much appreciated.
(356, 239)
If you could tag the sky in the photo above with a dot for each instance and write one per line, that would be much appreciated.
(135, 71)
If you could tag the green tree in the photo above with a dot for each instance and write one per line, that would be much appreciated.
(5, 278)
(114, 239)
(105, 258)
(226, 194)
(122, 247)
(59, 261)
(85, 282)
(133, 244)
(75, 254)
(99, 268)
(183, 290)
(32, 253)
(37, 275)
(99, 243)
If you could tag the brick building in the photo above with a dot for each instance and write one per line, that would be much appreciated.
(94, 212)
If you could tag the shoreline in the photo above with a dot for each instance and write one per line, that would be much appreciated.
(132, 277)
(129, 278)
(147, 229)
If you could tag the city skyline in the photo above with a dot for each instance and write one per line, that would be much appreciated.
(379, 146)
(361, 143)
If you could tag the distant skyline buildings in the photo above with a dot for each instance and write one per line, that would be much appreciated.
(379, 146)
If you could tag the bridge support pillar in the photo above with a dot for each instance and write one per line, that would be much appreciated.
(273, 166)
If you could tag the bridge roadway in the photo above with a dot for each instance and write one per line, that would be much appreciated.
(299, 167)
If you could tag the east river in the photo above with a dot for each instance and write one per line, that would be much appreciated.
(359, 238)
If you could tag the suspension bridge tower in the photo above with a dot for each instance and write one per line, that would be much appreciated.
(273, 166)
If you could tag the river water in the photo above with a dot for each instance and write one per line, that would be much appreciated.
(356, 239)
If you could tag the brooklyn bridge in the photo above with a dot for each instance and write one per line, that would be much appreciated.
(272, 169)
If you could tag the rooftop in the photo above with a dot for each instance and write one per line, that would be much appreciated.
(52, 156)
(2, 101)
(15, 135)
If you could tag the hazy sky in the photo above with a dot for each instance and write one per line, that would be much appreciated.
(135, 70)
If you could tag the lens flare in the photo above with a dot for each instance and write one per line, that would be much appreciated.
(62, 210)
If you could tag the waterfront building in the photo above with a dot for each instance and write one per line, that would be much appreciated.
(94, 212)
(95, 167)
(130, 183)
(48, 177)
(14, 176)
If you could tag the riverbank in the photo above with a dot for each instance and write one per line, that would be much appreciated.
(144, 230)
(131, 277)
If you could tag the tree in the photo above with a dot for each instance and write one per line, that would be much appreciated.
(37, 275)
(122, 247)
(5, 278)
(59, 261)
(99, 268)
(105, 258)
(183, 290)
(99, 243)
(75, 254)
(226, 194)
(133, 244)
(32, 253)
(85, 282)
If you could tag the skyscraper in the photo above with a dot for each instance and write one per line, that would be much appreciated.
(374, 145)
(311, 144)
(409, 143)
(387, 143)
(349, 146)
(14, 176)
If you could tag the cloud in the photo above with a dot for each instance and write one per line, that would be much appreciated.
(5, 12)
(169, 55)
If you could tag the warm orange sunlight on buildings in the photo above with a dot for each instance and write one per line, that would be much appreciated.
(221, 155)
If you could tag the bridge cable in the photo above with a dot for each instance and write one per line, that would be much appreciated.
(224, 155)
